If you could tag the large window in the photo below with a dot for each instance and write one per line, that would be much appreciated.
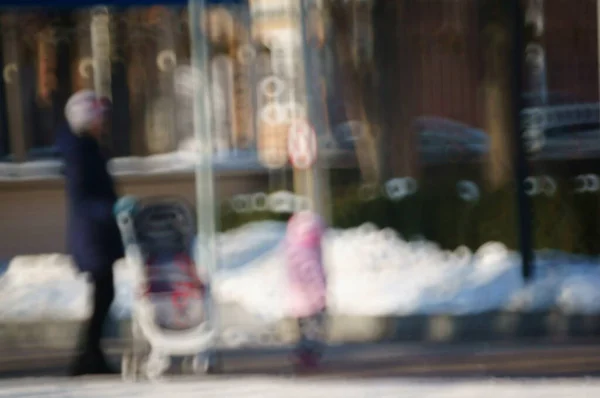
(136, 57)
(415, 105)
(457, 146)
(561, 122)
(451, 145)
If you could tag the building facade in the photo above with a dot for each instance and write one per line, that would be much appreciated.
(460, 121)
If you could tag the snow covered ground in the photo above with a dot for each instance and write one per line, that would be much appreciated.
(370, 271)
(179, 161)
(271, 387)
(436, 141)
(183, 160)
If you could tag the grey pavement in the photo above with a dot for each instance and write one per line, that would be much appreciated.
(278, 387)
(532, 370)
(368, 361)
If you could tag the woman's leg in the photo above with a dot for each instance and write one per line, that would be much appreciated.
(91, 360)
(104, 294)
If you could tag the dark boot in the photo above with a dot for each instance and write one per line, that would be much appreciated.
(91, 360)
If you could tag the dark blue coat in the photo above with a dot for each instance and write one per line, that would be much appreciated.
(93, 236)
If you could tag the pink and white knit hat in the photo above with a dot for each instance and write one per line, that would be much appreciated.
(82, 110)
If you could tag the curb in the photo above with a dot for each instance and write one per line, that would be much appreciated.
(240, 329)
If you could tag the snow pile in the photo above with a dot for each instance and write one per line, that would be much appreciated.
(39, 287)
(570, 283)
(377, 273)
(180, 161)
(580, 294)
(371, 272)
(30, 170)
(39, 169)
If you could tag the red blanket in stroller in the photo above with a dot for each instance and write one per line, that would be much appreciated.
(175, 291)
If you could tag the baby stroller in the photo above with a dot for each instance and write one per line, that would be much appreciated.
(170, 314)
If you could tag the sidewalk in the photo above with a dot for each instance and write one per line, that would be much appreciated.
(367, 361)
(271, 387)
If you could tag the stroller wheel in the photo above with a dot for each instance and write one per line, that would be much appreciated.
(155, 366)
(212, 363)
(189, 365)
(129, 367)
(136, 331)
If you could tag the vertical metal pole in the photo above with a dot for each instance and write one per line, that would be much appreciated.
(18, 124)
(100, 37)
(4, 130)
(205, 186)
(598, 40)
(521, 170)
(163, 103)
(101, 51)
(535, 57)
(312, 183)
